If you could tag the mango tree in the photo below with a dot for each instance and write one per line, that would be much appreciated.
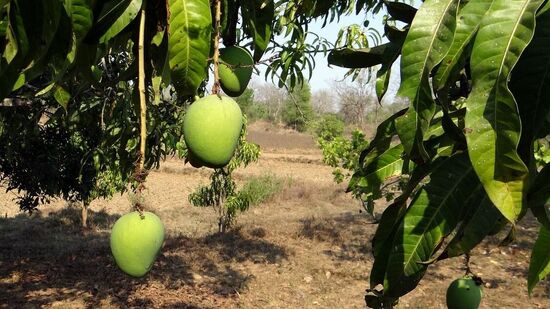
(475, 77)
(473, 73)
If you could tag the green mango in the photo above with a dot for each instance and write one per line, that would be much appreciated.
(136, 241)
(464, 293)
(235, 70)
(211, 128)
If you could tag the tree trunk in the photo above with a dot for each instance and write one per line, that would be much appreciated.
(84, 214)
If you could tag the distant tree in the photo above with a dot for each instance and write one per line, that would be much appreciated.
(356, 98)
(298, 110)
(323, 102)
(250, 107)
(246, 100)
(272, 99)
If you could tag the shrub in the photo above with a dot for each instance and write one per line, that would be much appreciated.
(329, 126)
(261, 188)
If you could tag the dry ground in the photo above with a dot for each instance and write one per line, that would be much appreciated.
(308, 247)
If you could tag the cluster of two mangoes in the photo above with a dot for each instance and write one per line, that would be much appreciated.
(212, 127)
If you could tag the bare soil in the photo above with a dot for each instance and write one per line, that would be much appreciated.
(307, 247)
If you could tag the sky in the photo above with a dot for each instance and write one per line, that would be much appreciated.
(323, 74)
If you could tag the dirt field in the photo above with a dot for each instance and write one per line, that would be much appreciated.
(307, 247)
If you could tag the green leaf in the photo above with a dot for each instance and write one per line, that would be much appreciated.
(543, 9)
(381, 247)
(481, 221)
(539, 196)
(357, 58)
(122, 13)
(400, 11)
(382, 242)
(426, 44)
(259, 15)
(61, 96)
(189, 43)
(539, 267)
(468, 20)
(433, 213)
(81, 15)
(229, 22)
(33, 26)
(386, 165)
(530, 85)
(492, 119)
(383, 77)
(12, 45)
(382, 140)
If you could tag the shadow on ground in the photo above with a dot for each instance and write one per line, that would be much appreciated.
(346, 231)
(50, 259)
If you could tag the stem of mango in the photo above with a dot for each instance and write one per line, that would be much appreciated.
(142, 109)
(216, 57)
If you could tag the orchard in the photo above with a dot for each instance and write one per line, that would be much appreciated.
(96, 95)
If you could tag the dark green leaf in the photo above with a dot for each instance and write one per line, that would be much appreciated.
(433, 213)
(426, 44)
(482, 219)
(382, 240)
(492, 118)
(383, 77)
(382, 140)
(539, 267)
(189, 43)
(122, 20)
(530, 85)
(81, 15)
(539, 196)
(468, 20)
(357, 58)
(400, 11)
(386, 165)
(259, 16)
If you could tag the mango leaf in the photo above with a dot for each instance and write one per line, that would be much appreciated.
(395, 34)
(11, 47)
(386, 165)
(33, 26)
(539, 196)
(381, 247)
(492, 119)
(229, 22)
(259, 14)
(400, 11)
(543, 9)
(358, 58)
(468, 20)
(433, 213)
(81, 15)
(382, 241)
(484, 217)
(539, 267)
(61, 96)
(530, 85)
(189, 43)
(121, 20)
(57, 60)
(426, 44)
(383, 76)
(382, 139)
